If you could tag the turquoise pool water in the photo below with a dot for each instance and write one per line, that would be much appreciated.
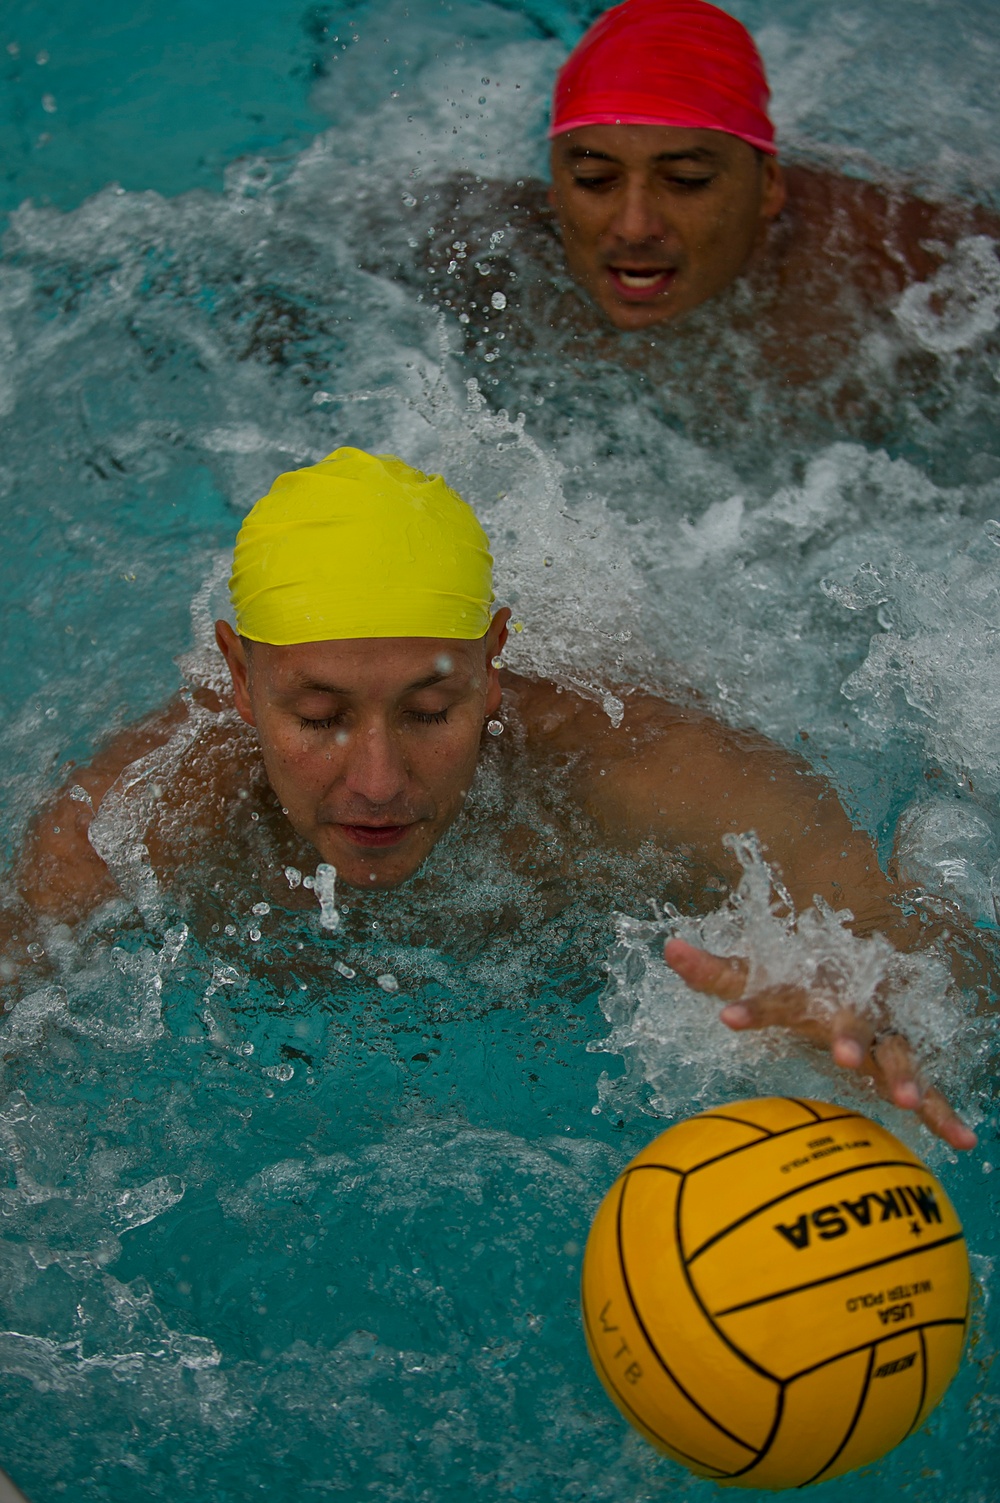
(272, 1230)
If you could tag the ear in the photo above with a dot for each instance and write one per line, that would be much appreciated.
(493, 643)
(774, 193)
(232, 649)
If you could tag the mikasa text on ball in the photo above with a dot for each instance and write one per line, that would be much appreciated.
(775, 1292)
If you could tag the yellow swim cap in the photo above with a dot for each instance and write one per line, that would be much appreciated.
(361, 545)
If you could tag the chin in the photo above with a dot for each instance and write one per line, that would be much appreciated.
(632, 316)
(626, 321)
(357, 867)
(361, 881)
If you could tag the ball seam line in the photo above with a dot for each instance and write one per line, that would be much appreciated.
(781, 1133)
(846, 1273)
(807, 1107)
(639, 1422)
(779, 1413)
(798, 1189)
(723, 1336)
(925, 1325)
(862, 1398)
(738, 1440)
(765, 1132)
(923, 1383)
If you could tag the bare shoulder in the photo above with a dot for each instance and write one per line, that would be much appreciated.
(891, 235)
(660, 761)
(571, 723)
(578, 726)
(60, 874)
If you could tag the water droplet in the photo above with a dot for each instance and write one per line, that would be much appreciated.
(498, 300)
(278, 1072)
(324, 885)
(992, 531)
(388, 983)
(260, 909)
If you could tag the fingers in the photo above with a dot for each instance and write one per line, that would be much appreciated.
(889, 1060)
(851, 1039)
(725, 977)
(896, 1072)
(898, 1080)
(936, 1113)
(721, 976)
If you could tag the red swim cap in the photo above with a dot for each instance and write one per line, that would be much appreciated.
(666, 62)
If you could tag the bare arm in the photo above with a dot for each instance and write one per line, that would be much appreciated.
(680, 779)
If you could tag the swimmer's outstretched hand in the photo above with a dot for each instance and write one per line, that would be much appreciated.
(850, 1038)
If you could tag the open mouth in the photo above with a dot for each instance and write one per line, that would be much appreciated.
(375, 835)
(638, 283)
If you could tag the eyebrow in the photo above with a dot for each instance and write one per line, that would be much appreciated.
(313, 686)
(696, 154)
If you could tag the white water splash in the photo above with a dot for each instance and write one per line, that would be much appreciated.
(324, 886)
(674, 1043)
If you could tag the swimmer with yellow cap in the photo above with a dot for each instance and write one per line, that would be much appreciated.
(365, 587)
(365, 658)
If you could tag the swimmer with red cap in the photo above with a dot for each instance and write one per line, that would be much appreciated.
(664, 176)
(666, 188)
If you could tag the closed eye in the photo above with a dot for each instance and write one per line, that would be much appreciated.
(593, 184)
(317, 725)
(427, 717)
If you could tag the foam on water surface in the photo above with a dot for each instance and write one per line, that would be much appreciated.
(297, 1192)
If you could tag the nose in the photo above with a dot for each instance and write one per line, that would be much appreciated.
(376, 770)
(639, 216)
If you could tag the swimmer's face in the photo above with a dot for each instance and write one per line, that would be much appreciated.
(370, 744)
(656, 219)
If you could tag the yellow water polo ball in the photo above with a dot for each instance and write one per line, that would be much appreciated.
(775, 1292)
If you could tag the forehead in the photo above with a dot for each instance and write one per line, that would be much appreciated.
(643, 145)
(364, 666)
